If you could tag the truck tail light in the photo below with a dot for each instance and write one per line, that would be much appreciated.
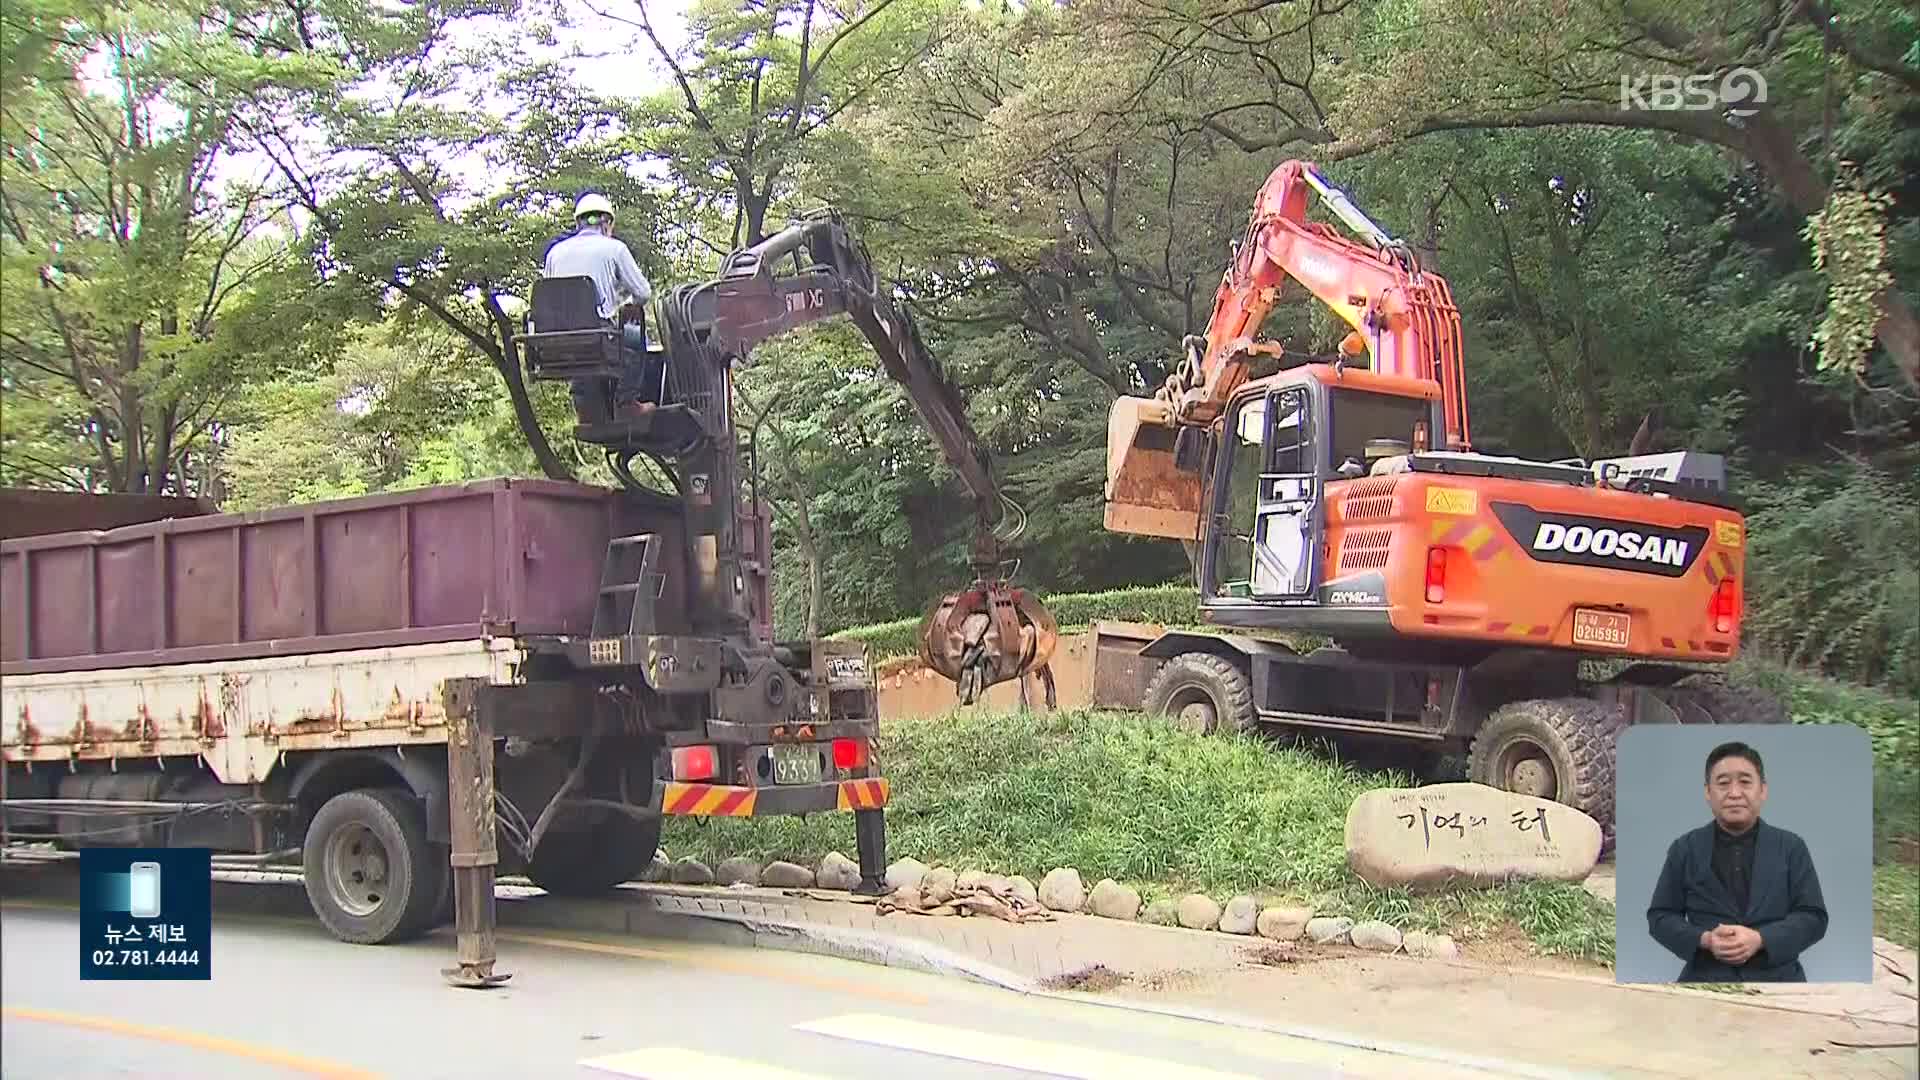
(1725, 606)
(695, 763)
(849, 753)
(1436, 575)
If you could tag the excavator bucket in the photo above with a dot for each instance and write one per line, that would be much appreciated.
(1147, 495)
(986, 634)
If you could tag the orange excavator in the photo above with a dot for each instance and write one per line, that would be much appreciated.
(1340, 496)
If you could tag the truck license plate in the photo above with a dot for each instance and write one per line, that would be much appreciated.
(796, 764)
(1606, 629)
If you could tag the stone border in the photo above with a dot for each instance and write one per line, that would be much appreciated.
(1063, 890)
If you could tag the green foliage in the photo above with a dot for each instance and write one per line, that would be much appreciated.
(1131, 797)
(1850, 245)
(1832, 582)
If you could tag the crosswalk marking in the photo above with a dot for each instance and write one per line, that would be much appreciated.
(1011, 1051)
(663, 1062)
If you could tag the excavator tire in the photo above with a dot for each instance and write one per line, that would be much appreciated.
(1557, 748)
(1202, 693)
(1720, 702)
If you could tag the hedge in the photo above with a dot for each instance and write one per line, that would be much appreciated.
(1174, 604)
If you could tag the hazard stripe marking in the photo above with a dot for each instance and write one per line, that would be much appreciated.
(664, 1062)
(1540, 631)
(709, 800)
(1007, 1051)
(1668, 642)
(1498, 627)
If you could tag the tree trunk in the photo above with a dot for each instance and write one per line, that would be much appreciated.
(507, 362)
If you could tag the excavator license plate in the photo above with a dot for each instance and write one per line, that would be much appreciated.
(1605, 629)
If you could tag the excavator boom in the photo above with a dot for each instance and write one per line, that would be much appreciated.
(1404, 323)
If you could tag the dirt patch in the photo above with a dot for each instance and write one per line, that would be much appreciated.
(1276, 955)
(1509, 948)
(1904, 849)
(1095, 979)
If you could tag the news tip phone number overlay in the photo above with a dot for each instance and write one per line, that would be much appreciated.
(142, 947)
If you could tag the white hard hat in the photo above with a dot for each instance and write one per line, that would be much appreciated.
(592, 203)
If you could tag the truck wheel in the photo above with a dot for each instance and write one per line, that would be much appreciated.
(371, 874)
(1559, 749)
(1203, 693)
(581, 862)
(1724, 703)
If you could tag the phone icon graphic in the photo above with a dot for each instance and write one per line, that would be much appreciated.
(143, 894)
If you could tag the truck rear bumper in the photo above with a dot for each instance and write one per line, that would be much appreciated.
(721, 800)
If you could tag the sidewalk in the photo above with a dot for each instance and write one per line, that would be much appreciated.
(1549, 1019)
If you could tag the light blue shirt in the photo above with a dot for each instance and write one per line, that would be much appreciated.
(607, 261)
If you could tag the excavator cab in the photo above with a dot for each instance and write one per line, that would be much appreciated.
(1264, 498)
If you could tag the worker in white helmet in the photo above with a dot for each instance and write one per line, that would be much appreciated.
(594, 252)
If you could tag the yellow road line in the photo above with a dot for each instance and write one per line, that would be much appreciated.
(660, 1062)
(210, 1043)
(1009, 1051)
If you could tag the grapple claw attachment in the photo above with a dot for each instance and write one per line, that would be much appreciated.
(986, 634)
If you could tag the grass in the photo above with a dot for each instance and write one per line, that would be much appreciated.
(1132, 797)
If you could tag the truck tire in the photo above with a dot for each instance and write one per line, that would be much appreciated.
(582, 862)
(1724, 703)
(371, 874)
(1203, 693)
(1560, 749)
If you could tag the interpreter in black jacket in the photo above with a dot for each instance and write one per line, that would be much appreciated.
(1738, 899)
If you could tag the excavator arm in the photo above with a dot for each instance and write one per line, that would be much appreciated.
(989, 632)
(1404, 323)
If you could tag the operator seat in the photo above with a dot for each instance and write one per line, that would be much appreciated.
(566, 338)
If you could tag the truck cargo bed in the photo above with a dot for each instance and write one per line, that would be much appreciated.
(493, 557)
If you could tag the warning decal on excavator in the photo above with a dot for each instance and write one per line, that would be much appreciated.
(1727, 533)
(1443, 500)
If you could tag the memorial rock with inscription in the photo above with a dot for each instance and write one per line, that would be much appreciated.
(1466, 834)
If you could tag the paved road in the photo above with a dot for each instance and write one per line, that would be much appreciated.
(286, 1000)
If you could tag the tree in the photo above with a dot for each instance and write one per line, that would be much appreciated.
(123, 248)
(429, 205)
(757, 90)
(1441, 65)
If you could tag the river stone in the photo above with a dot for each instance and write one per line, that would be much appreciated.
(786, 875)
(1329, 931)
(1283, 923)
(970, 879)
(905, 872)
(1197, 911)
(737, 871)
(1240, 915)
(1021, 886)
(691, 871)
(838, 872)
(1112, 900)
(1161, 913)
(1375, 936)
(1062, 889)
(1466, 834)
(936, 887)
(661, 869)
(1431, 946)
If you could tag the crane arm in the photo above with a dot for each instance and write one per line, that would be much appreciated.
(988, 632)
(753, 301)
